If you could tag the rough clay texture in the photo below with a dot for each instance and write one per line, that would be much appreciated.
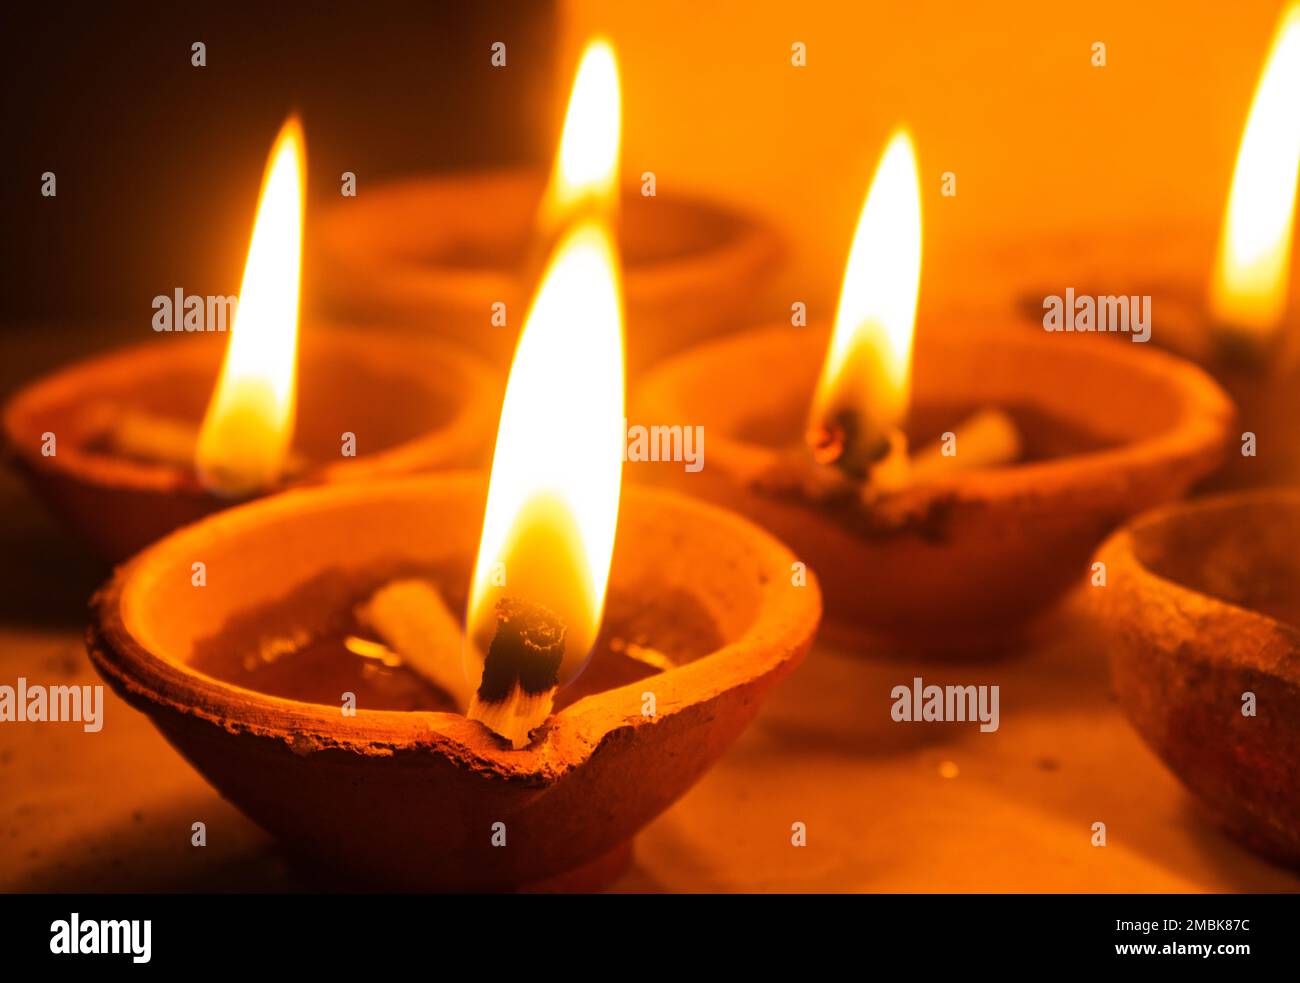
(409, 799)
(1181, 661)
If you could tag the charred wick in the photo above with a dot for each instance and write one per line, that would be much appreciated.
(526, 650)
(841, 440)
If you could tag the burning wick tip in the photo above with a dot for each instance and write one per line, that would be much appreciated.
(521, 670)
(843, 442)
(826, 443)
(1239, 348)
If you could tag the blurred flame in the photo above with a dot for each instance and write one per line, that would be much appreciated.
(553, 499)
(1249, 289)
(249, 423)
(586, 165)
(868, 365)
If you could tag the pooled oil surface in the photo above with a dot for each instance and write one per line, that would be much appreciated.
(298, 647)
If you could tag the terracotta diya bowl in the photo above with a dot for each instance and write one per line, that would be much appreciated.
(1201, 608)
(442, 250)
(413, 405)
(410, 798)
(953, 566)
(1173, 265)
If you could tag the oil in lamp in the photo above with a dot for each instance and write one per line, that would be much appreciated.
(952, 484)
(125, 449)
(458, 250)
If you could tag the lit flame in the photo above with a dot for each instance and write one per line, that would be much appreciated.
(1249, 290)
(586, 165)
(553, 499)
(866, 377)
(248, 427)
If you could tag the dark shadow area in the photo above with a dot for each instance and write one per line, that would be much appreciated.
(158, 162)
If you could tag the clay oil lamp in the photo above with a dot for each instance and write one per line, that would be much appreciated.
(1201, 618)
(1231, 309)
(133, 444)
(458, 250)
(943, 496)
(324, 683)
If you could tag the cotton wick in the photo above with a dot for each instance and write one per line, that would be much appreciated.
(521, 670)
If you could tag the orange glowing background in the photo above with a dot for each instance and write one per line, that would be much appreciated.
(1041, 142)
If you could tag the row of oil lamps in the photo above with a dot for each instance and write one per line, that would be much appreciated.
(939, 488)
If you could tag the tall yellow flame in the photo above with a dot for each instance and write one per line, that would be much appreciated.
(248, 428)
(867, 371)
(548, 533)
(1249, 288)
(585, 173)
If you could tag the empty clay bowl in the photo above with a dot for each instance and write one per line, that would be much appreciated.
(1200, 608)
(413, 405)
(955, 566)
(410, 799)
(439, 251)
